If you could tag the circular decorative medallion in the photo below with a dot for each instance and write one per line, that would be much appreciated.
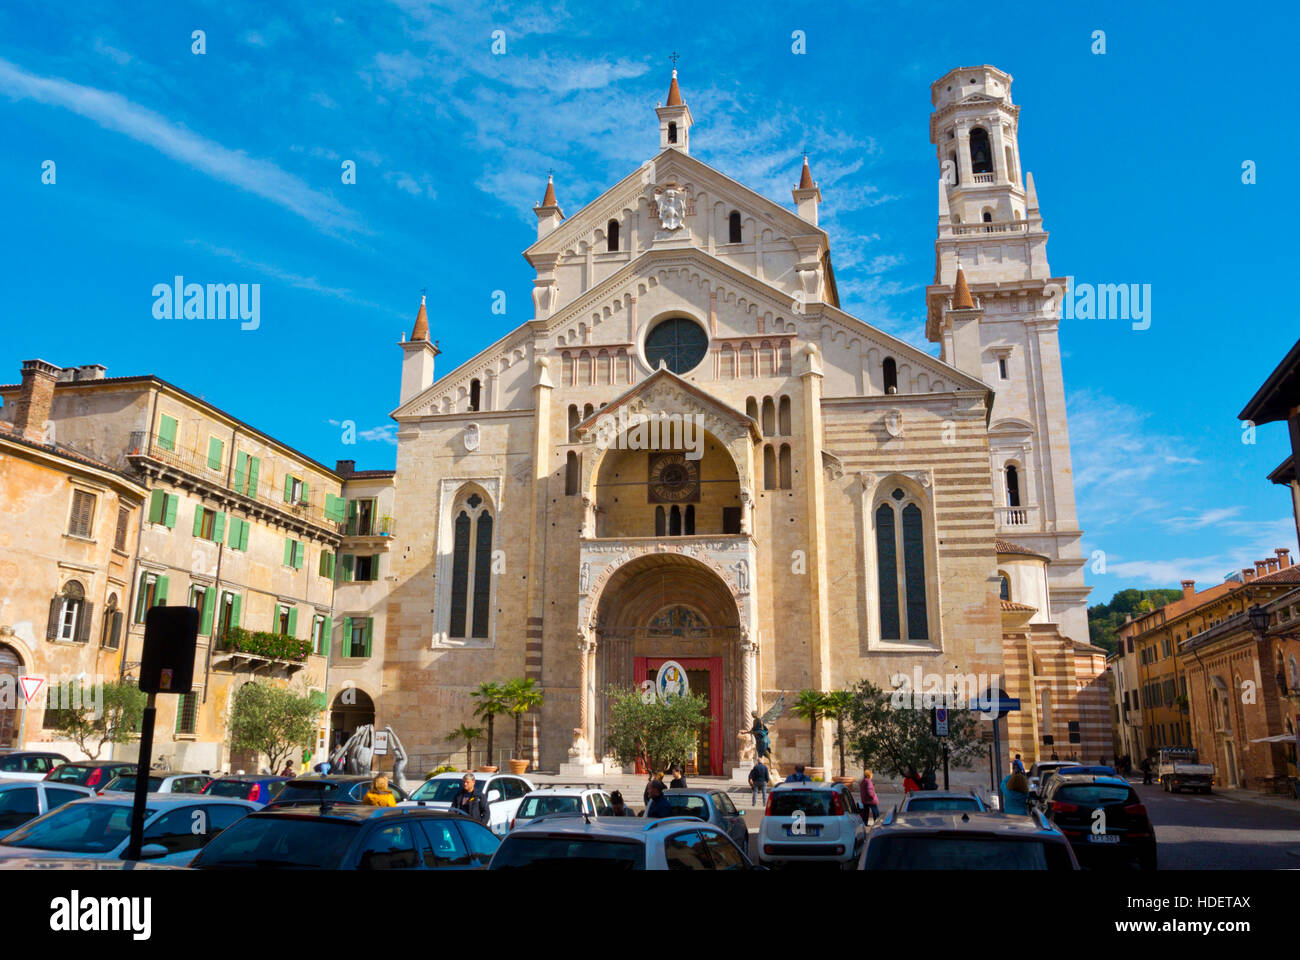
(670, 681)
(673, 478)
(679, 342)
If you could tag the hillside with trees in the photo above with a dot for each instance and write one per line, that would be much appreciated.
(1105, 618)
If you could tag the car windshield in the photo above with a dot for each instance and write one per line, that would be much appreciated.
(539, 806)
(68, 774)
(280, 843)
(83, 827)
(520, 852)
(964, 853)
(1093, 794)
(127, 782)
(331, 790)
(239, 789)
(942, 803)
(689, 807)
(813, 803)
(438, 791)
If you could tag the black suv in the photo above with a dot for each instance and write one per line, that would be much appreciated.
(972, 840)
(1103, 818)
(330, 788)
(349, 836)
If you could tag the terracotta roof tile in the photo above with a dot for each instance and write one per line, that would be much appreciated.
(1013, 605)
(1006, 546)
(674, 94)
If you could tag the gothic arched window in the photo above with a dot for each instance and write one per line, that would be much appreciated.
(1004, 586)
(733, 224)
(901, 568)
(611, 236)
(69, 614)
(471, 569)
(981, 157)
(890, 370)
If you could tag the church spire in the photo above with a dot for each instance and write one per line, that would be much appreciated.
(961, 298)
(548, 211)
(548, 200)
(421, 329)
(805, 178)
(674, 119)
(807, 195)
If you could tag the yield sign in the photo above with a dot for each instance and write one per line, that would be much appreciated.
(31, 686)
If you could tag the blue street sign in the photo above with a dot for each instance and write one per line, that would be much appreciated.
(1000, 706)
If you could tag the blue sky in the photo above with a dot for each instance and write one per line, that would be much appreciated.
(226, 168)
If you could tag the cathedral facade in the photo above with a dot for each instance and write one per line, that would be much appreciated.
(691, 453)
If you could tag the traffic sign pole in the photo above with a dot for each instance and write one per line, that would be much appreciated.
(141, 780)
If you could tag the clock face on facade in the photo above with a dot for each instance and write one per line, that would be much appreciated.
(674, 479)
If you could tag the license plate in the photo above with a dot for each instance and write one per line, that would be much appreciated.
(809, 830)
(1102, 838)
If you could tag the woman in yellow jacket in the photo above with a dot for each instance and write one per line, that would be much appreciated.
(379, 795)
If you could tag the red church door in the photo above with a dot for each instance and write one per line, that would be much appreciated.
(704, 677)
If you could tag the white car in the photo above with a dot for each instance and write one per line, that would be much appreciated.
(124, 783)
(28, 764)
(502, 791)
(586, 799)
(807, 822)
(23, 800)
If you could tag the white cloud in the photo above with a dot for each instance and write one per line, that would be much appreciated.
(1254, 541)
(383, 434)
(114, 112)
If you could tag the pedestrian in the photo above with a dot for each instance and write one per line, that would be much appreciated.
(1146, 769)
(678, 781)
(911, 782)
(1018, 765)
(870, 802)
(928, 781)
(469, 801)
(617, 807)
(323, 767)
(288, 770)
(759, 778)
(654, 778)
(798, 776)
(659, 805)
(1054, 756)
(379, 795)
(1014, 791)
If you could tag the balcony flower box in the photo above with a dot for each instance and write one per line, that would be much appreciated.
(274, 646)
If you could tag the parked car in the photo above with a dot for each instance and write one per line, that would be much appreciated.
(158, 783)
(984, 840)
(90, 773)
(175, 827)
(1103, 818)
(937, 801)
(809, 822)
(618, 843)
(711, 806)
(1043, 769)
(259, 789)
(328, 788)
(28, 764)
(504, 792)
(1179, 769)
(578, 801)
(351, 837)
(24, 800)
(80, 863)
(1097, 769)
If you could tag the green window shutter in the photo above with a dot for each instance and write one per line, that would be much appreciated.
(241, 470)
(157, 500)
(218, 527)
(198, 519)
(347, 636)
(209, 607)
(326, 636)
(304, 492)
(334, 507)
(160, 597)
(232, 537)
(374, 567)
(299, 554)
(288, 552)
(330, 574)
(235, 601)
(139, 597)
(293, 621)
(253, 464)
(288, 487)
(243, 534)
(215, 449)
(169, 514)
(370, 632)
(348, 562)
(167, 432)
(326, 563)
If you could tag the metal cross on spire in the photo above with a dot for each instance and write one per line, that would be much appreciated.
(674, 58)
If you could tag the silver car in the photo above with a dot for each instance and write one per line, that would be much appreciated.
(564, 842)
(176, 827)
(942, 801)
(124, 784)
(25, 800)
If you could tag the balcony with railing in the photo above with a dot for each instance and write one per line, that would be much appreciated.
(1005, 226)
(1016, 518)
(982, 177)
(260, 651)
(367, 526)
(144, 447)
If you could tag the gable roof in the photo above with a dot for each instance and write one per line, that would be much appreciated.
(663, 373)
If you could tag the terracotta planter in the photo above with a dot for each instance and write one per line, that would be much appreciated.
(815, 773)
(845, 779)
(486, 768)
(519, 767)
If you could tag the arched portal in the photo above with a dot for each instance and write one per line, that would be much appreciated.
(667, 606)
(11, 668)
(352, 708)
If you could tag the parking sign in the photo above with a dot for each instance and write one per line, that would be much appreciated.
(941, 721)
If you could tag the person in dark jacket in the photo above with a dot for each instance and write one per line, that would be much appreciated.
(659, 805)
(617, 808)
(678, 782)
(798, 776)
(469, 801)
(759, 778)
(654, 778)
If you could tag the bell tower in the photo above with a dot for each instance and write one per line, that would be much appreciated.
(674, 120)
(1005, 328)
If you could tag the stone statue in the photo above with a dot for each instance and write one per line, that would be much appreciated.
(399, 758)
(742, 575)
(584, 577)
(355, 755)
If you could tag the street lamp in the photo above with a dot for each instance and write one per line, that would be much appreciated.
(1258, 619)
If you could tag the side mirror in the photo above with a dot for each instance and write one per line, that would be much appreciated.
(152, 851)
(493, 796)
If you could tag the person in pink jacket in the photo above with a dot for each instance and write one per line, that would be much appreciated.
(870, 802)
